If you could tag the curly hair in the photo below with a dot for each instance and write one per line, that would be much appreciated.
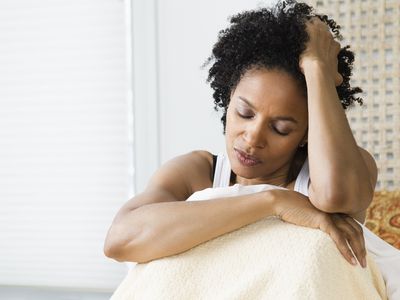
(270, 38)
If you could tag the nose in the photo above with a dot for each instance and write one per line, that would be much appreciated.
(254, 136)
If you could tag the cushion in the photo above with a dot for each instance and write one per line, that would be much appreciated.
(383, 216)
(268, 259)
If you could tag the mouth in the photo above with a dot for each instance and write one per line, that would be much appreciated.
(245, 159)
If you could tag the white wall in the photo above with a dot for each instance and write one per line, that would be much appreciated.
(187, 32)
(184, 35)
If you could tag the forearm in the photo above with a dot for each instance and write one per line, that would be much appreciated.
(336, 165)
(174, 227)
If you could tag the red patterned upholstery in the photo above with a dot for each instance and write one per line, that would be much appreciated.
(383, 216)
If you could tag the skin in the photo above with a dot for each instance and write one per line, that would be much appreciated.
(267, 118)
(336, 162)
(257, 117)
(344, 180)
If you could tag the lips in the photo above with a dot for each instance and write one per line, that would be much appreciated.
(245, 159)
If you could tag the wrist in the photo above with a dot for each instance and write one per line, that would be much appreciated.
(318, 72)
(272, 202)
(311, 66)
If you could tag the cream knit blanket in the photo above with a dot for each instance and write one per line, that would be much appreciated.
(269, 259)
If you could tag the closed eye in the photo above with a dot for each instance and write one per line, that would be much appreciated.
(244, 116)
(281, 133)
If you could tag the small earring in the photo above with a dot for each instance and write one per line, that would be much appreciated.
(302, 144)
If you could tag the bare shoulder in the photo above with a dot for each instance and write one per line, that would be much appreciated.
(184, 175)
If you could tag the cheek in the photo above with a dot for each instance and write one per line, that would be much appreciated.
(230, 124)
(284, 146)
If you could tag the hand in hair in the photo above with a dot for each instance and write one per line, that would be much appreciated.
(321, 48)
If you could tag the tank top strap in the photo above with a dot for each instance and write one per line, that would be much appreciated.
(222, 172)
(303, 179)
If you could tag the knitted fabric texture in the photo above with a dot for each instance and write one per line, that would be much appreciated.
(268, 259)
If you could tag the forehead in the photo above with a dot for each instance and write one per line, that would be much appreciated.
(272, 90)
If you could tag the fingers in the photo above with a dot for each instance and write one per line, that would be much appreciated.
(316, 20)
(339, 239)
(338, 79)
(359, 229)
(317, 23)
(347, 237)
(353, 233)
(343, 246)
(319, 30)
(336, 50)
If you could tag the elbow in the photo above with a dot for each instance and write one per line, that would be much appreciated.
(326, 199)
(118, 252)
(135, 255)
(327, 206)
(343, 191)
(133, 249)
(116, 242)
(111, 248)
(131, 239)
(353, 199)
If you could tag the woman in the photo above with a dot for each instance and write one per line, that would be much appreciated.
(282, 81)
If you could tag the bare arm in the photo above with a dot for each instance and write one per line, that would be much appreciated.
(163, 229)
(158, 223)
(343, 176)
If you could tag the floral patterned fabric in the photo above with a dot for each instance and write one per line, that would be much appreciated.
(383, 216)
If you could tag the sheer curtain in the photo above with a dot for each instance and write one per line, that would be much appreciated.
(66, 140)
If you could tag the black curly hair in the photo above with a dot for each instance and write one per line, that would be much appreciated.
(271, 38)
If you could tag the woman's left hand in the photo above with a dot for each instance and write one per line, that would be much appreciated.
(293, 207)
(321, 48)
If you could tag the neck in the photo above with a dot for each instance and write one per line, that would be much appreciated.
(279, 180)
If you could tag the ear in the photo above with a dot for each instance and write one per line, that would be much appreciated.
(305, 137)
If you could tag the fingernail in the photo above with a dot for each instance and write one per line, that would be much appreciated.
(364, 262)
(353, 261)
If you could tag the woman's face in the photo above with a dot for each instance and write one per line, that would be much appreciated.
(266, 120)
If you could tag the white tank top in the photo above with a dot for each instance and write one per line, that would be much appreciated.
(222, 175)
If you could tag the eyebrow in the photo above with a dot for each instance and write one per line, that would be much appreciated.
(277, 118)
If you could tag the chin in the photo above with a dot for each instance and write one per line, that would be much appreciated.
(242, 171)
